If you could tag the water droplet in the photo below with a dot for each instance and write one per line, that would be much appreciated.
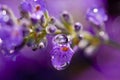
(60, 39)
(78, 26)
(61, 57)
(42, 44)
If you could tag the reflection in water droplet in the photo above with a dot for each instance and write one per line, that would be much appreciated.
(61, 58)
(61, 67)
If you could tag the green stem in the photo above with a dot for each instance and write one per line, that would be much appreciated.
(113, 44)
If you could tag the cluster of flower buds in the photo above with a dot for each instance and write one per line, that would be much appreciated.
(35, 24)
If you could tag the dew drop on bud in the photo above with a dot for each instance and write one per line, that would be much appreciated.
(42, 45)
(78, 26)
(60, 39)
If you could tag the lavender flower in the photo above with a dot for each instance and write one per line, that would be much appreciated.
(96, 15)
(32, 6)
(10, 38)
(33, 10)
(38, 4)
(37, 24)
(25, 6)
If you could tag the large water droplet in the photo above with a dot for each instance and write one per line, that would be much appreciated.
(61, 57)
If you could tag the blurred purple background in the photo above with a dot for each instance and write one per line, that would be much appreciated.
(31, 65)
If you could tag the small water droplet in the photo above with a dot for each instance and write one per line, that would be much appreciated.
(78, 26)
(42, 45)
(60, 39)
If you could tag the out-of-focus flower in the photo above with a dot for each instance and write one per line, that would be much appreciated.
(26, 6)
(11, 34)
(10, 38)
(97, 15)
(36, 8)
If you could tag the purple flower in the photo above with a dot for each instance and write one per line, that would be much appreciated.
(61, 56)
(26, 6)
(10, 37)
(97, 15)
(39, 4)
(33, 5)
(35, 8)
